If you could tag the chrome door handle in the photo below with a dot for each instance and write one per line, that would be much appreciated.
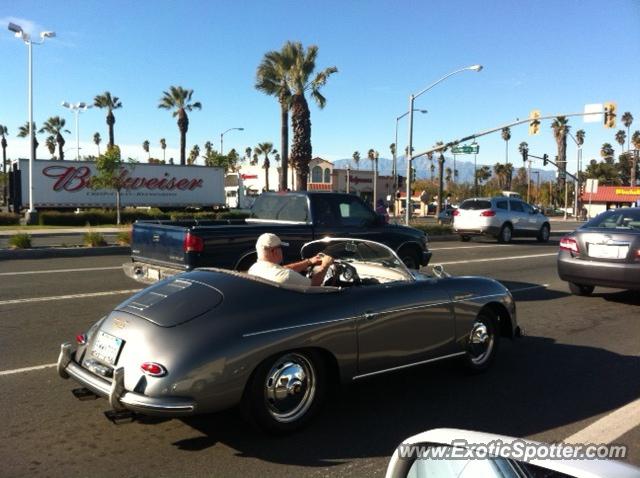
(369, 315)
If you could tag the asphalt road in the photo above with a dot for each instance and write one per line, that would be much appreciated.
(577, 365)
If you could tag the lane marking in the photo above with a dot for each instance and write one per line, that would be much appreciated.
(493, 259)
(609, 427)
(57, 271)
(468, 247)
(65, 297)
(27, 369)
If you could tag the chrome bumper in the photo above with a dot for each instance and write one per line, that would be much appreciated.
(119, 398)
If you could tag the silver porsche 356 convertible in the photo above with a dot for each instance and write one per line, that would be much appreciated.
(209, 339)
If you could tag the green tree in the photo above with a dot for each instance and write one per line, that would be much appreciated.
(580, 137)
(506, 136)
(233, 158)
(23, 132)
(97, 140)
(508, 172)
(273, 78)
(300, 81)
(110, 103)
(371, 156)
(50, 143)
(627, 121)
(483, 174)
(605, 172)
(193, 154)
(606, 151)
(356, 158)
(265, 149)
(522, 147)
(179, 99)
(110, 168)
(145, 147)
(163, 145)
(55, 126)
(621, 138)
(499, 171)
(561, 128)
(635, 139)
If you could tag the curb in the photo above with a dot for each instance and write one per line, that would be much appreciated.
(456, 237)
(48, 252)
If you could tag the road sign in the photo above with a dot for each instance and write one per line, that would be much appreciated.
(591, 186)
(589, 111)
(466, 149)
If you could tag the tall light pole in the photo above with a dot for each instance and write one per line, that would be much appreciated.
(77, 108)
(225, 132)
(577, 183)
(394, 163)
(410, 147)
(26, 38)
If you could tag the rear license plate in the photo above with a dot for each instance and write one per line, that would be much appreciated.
(107, 347)
(603, 251)
(153, 274)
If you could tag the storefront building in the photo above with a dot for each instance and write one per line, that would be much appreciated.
(610, 197)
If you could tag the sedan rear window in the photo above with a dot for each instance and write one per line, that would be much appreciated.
(475, 204)
(617, 219)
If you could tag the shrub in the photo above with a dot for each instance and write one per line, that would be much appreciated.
(124, 238)
(9, 219)
(20, 241)
(94, 239)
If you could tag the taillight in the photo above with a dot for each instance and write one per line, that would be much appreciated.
(455, 213)
(81, 339)
(192, 243)
(569, 244)
(488, 213)
(154, 369)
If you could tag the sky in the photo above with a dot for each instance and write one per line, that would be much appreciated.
(551, 55)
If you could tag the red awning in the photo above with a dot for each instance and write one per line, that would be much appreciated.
(616, 194)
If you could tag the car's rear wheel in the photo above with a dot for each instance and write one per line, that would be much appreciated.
(465, 238)
(482, 342)
(543, 233)
(580, 289)
(286, 391)
(505, 234)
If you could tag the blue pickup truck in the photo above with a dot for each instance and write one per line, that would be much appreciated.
(162, 248)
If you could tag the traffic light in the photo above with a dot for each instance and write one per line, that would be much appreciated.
(525, 154)
(610, 115)
(545, 159)
(400, 182)
(534, 125)
(413, 174)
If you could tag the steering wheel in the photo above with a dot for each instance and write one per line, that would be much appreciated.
(340, 274)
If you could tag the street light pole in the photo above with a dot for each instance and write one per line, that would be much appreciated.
(412, 98)
(222, 136)
(394, 163)
(77, 108)
(26, 38)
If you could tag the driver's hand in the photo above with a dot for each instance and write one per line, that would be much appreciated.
(317, 259)
(326, 261)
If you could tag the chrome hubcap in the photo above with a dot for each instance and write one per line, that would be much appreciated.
(290, 388)
(480, 343)
(506, 234)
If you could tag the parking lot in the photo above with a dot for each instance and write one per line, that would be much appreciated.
(574, 374)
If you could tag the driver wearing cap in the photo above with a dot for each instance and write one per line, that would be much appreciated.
(269, 249)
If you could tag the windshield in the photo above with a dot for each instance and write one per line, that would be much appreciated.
(354, 250)
(616, 219)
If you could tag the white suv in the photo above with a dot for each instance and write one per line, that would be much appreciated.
(501, 217)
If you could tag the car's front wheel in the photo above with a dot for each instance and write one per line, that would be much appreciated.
(482, 341)
(543, 233)
(286, 391)
(580, 289)
(505, 234)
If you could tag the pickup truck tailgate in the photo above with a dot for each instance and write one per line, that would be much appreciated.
(157, 243)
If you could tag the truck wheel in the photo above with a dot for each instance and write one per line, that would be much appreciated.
(286, 391)
(410, 258)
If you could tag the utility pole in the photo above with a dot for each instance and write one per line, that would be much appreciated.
(529, 181)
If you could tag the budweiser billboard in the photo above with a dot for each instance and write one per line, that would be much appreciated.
(68, 184)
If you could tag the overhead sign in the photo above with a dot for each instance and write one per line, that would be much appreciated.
(591, 186)
(591, 111)
(466, 149)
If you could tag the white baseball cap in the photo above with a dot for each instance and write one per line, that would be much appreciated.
(268, 240)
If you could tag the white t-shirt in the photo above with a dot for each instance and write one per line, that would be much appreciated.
(277, 273)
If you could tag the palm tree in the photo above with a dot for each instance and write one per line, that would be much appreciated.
(163, 145)
(635, 139)
(105, 100)
(499, 170)
(55, 126)
(145, 146)
(561, 128)
(179, 100)
(580, 137)
(50, 143)
(371, 156)
(300, 82)
(606, 151)
(273, 78)
(506, 135)
(193, 154)
(356, 158)
(23, 132)
(522, 147)
(97, 140)
(627, 120)
(266, 149)
(621, 138)
(247, 153)
(508, 172)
